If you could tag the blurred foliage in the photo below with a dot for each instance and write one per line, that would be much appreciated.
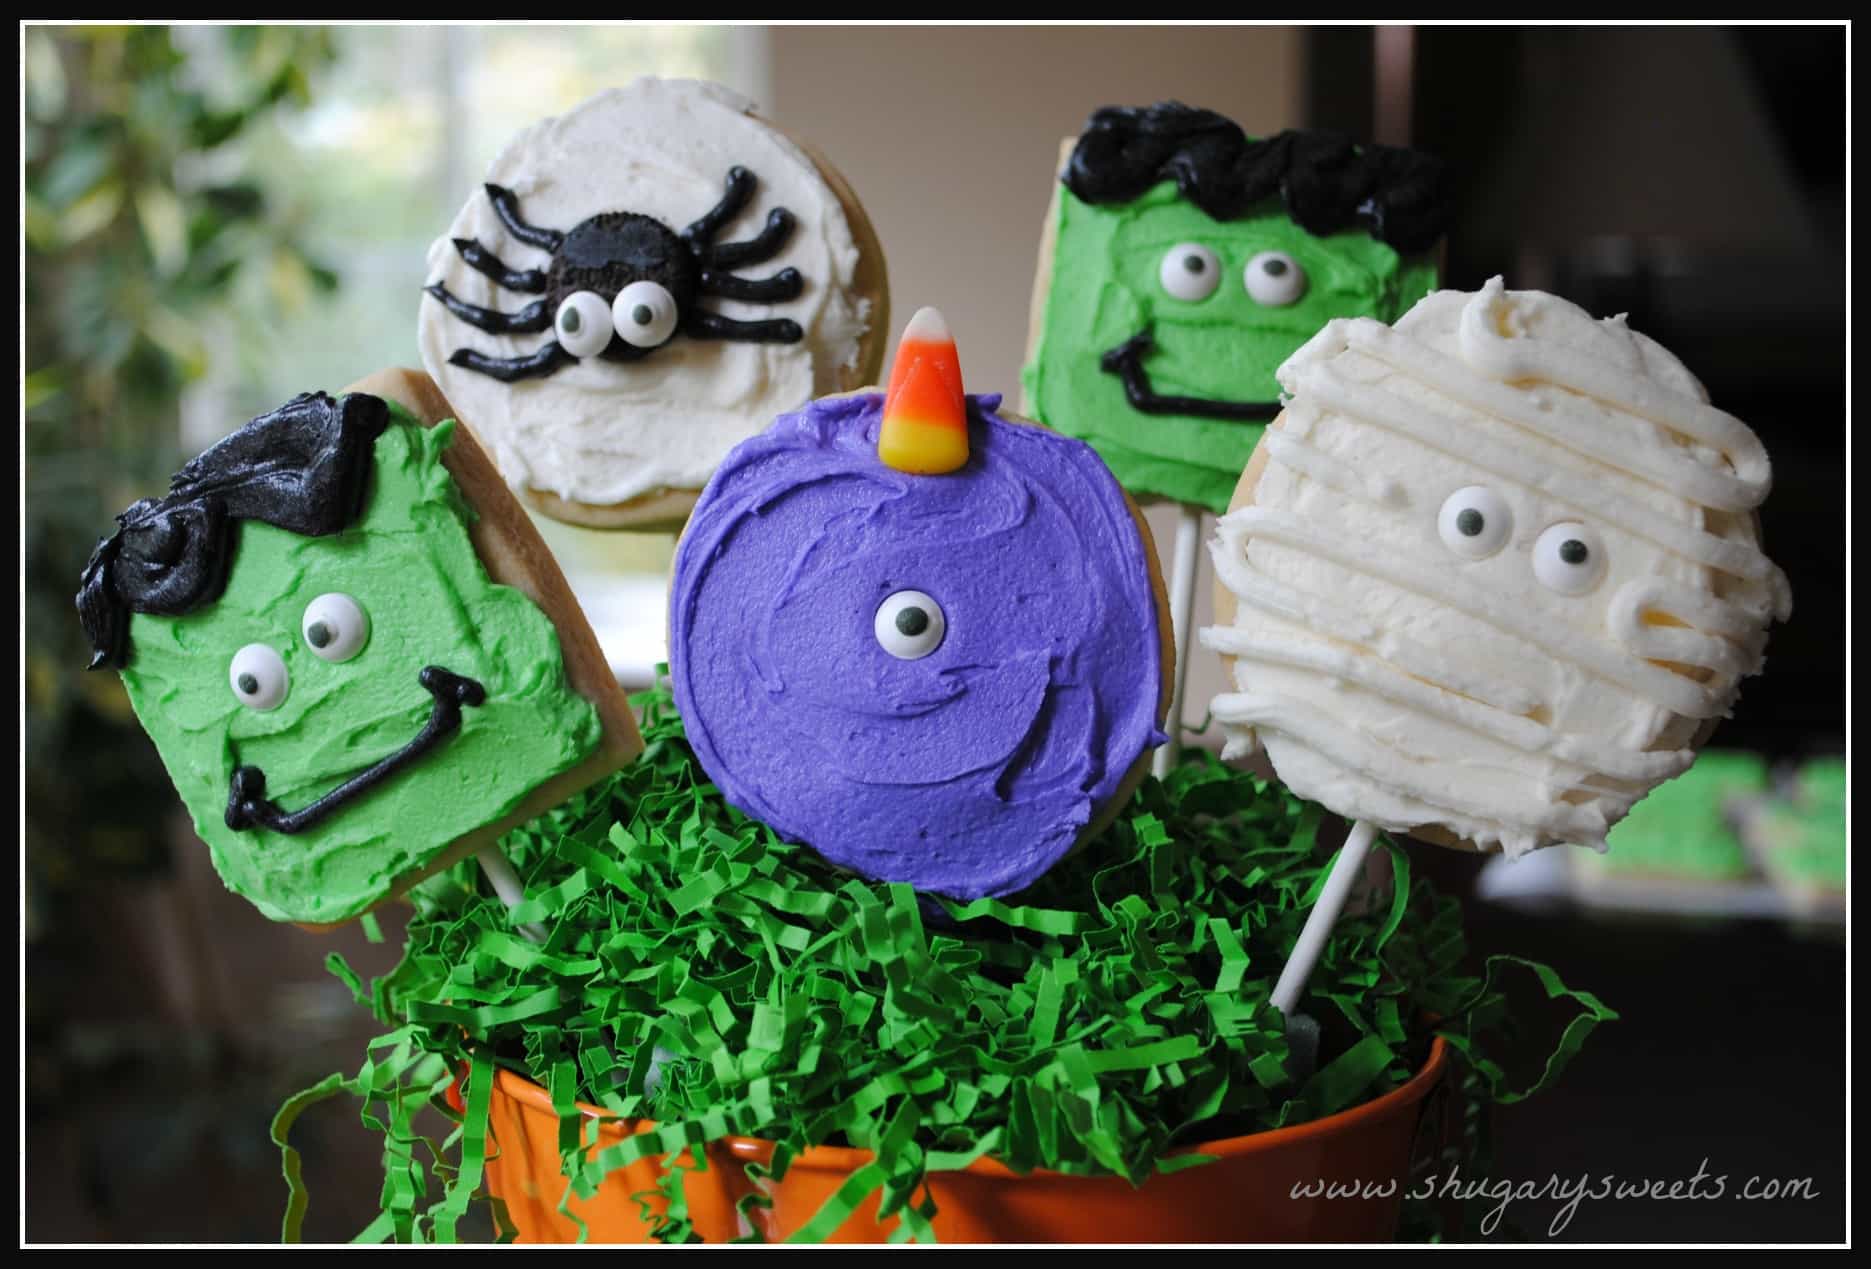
(140, 224)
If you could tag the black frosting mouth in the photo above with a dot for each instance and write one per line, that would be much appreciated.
(1126, 361)
(247, 804)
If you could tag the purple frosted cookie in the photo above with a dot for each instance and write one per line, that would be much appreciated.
(933, 679)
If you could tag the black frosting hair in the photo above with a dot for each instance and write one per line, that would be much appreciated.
(305, 467)
(1327, 181)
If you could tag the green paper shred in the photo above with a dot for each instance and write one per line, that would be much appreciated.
(701, 973)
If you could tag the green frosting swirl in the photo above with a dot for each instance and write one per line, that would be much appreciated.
(1105, 288)
(409, 563)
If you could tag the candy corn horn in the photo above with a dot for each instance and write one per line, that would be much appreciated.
(925, 425)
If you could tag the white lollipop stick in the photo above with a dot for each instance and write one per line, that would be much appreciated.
(1323, 917)
(506, 883)
(1182, 620)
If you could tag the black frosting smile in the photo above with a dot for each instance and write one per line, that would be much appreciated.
(1126, 361)
(247, 804)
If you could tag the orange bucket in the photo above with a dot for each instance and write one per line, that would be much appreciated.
(1263, 1187)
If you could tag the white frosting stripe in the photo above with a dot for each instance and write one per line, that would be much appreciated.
(1735, 649)
(1329, 619)
(1448, 432)
(1330, 471)
(1521, 616)
(1511, 360)
(1349, 751)
(1570, 424)
(1382, 678)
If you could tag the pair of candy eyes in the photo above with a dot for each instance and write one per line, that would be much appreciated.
(335, 627)
(1191, 272)
(643, 315)
(1475, 522)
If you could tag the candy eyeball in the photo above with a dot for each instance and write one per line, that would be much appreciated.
(1475, 522)
(1190, 272)
(644, 314)
(1274, 279)
(910, 625)
(335, 627)
(258, 676)
(583, 326)
(1569, 558)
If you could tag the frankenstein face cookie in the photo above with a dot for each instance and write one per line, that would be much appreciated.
(355, 657)
(921, 637)
(1493, 574)
(1184, 262)
(640, 284)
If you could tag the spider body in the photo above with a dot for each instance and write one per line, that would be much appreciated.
(621, 284)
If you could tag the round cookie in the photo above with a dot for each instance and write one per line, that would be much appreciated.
(1183, 261)
(356, 658)
(948, 680)
(1493, 575)
(641, 283)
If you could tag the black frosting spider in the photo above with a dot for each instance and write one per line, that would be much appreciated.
(621, 284)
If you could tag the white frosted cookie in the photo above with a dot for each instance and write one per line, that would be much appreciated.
(640, 284)
(1493, 574)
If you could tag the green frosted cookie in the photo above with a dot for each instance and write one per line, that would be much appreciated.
(1184, 262)
(338, 688)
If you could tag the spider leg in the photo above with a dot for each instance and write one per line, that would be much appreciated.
(481, 260)
(511, 369)
(784, 285)
(762, 246)
(534, 317)
(507, 207)
(740, 189)
(701, 324)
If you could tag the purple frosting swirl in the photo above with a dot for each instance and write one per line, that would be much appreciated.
(973, 769)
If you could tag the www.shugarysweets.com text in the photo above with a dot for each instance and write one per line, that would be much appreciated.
(1571, 1192)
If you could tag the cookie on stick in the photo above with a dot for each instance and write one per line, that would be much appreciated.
(356, 658)
(1491, 577)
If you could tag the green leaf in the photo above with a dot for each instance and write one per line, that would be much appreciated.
(159, 212)
(82, 163)
(45, 76)
(42, 386)
(91, 213)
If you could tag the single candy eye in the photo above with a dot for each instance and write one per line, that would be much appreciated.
(583, 325)
(1475, 522)
(1569, 558)
(1274, 278)
(910, 625)
(335, 628)
(1190, 271)
(258, 676)
(644, 314)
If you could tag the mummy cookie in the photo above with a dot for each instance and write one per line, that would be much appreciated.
(1184, 261)
(920, 636)
(352, 651)
(1493, 574)
(641, 283)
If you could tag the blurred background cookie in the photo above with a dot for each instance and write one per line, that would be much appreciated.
(1797, 835)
